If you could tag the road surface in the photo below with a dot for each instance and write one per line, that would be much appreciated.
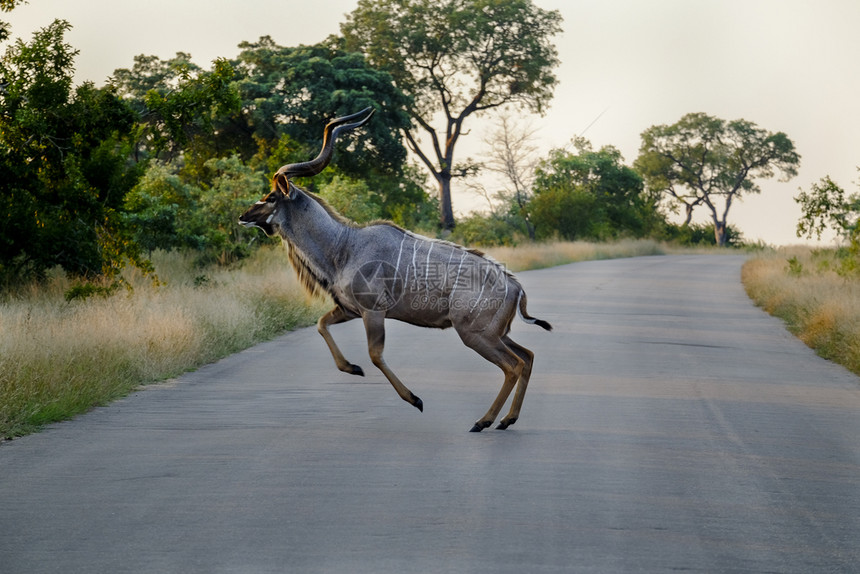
(669, 426)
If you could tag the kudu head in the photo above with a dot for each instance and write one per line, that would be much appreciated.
(267, 213)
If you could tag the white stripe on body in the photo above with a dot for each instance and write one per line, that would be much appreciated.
(415, 265)
(427, 272)
(459, 268)
(481, 293)
(397, 267)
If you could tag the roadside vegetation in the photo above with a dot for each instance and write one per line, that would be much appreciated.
(816, 292)
(62, 353)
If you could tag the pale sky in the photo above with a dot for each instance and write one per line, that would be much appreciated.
(786, 65)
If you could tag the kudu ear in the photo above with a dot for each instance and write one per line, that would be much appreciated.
(282, 184)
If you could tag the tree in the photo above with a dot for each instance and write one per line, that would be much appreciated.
(152, 73)
(295, 91)
(513, 156)
(233, 126)
(826, 206)
(289, 93)
(702, 158)
(63, 168)
(590, 195)
(179, 106)
(7, 6)
(456, 58)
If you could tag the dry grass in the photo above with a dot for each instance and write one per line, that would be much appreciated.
(60, 358)
(818, 305)
(541, 255)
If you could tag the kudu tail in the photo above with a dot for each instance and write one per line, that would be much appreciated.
(524, 314)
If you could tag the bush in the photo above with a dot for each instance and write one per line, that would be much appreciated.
(484, 230)
(565, 214)
(699, 234)
(352, 199)
(165, 212)
(590, 195)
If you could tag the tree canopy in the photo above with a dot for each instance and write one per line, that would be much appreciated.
(289, 93)
(294, 91)
(168, 153)
(826, 206)
(590, 195)
(246, 118)
(700, 159)
(63, 163)
(456, 58)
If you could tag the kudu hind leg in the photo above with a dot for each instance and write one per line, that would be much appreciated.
(333, 317)
(528, 360)
(374, 324)
(498, 353)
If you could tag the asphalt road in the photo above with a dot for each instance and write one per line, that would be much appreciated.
(669, 426)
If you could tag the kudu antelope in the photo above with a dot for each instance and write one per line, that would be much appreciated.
(381, 271)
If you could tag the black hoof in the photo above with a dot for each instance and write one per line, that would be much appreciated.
(505, 423)
(356, 370)
(417, 403)
(479, 426)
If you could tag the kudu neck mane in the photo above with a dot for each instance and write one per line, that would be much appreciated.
(314, 239)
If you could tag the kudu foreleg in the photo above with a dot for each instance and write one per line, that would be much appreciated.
(374, 324)
(333, 317)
